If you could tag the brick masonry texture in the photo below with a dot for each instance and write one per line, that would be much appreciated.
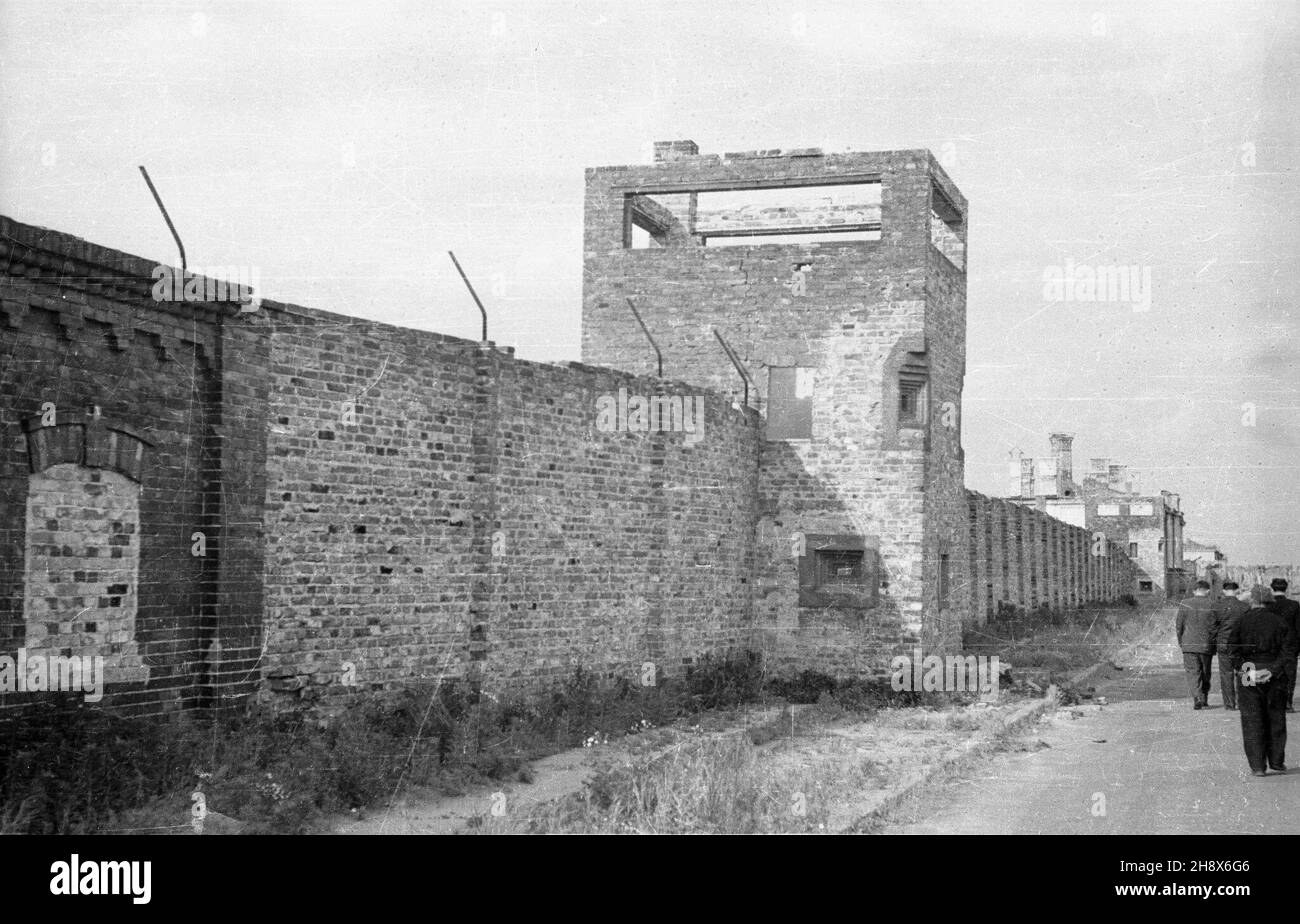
(329, 506)
(861, 303)
(83, 554)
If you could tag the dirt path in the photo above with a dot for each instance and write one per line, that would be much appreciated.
(426, 812)
(854, 762)
(1145, 763)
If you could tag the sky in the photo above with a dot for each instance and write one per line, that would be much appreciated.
(341, 149)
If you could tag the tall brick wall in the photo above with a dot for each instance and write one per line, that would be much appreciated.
(1249, 575)
(1022, 560)
(314, 506)
(436, 508)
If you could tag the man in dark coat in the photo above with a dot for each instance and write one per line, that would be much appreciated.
(1260, 644)
(1231, 610)
(1290, 611)
(1195, 623)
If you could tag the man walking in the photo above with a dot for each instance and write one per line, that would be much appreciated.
(1290, 611)
(1260, 643)
(1231, 609)
(1197, 616)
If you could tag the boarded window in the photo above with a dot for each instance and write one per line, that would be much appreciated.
(1132, 550)
(1108, 510)
(789, 402)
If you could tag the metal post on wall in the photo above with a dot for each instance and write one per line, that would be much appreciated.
(167, 218)
(472, 293)
(735, 361)
(646, 331)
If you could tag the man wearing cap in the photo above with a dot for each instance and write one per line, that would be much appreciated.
(1290, 611)
(1259, 645)
(1195, 623)
(1231, 609)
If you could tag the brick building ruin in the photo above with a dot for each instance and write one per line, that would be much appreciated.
(1149, 526)
(304, 506)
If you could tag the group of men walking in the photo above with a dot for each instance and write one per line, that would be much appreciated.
(1256, 635)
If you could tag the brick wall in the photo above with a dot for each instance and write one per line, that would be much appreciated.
(91, 366)
(850, 312)
(1022, 560)
(314, 506)
(436, 508)
(1249, 575)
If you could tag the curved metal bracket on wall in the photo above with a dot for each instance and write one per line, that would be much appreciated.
(735, 361)
(646, 331)
(474, 294)
(167, 218)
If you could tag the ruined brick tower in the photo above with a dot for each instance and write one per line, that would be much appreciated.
(839, 280)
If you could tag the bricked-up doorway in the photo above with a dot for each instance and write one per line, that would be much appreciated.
(82, 542)
(83, 561)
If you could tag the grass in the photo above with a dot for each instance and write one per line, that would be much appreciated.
(83, 770)
(78, 769)
(713, 786)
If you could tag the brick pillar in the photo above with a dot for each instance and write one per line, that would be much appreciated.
(1075, 568)
(975, 544)
(999, 558)
(989, 590)
(1058, 587)
(483, 513)
(1072, 561)
(1025, 549)
(230, 628)
(1032, 532)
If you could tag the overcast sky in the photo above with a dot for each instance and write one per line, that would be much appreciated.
(343, 148)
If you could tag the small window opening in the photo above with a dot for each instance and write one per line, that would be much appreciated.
(838, 571)
(947, 227)
(911, 399)
(839, 566)
(795, 214)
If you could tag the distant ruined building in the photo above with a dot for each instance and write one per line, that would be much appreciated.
(230, 500)
(1148, 526)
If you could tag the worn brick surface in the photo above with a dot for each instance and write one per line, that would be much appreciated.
(381, 505)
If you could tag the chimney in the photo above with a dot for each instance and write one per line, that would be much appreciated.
(1063, 453)
(1117, 478)
(1026, 477)
(669, 151)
